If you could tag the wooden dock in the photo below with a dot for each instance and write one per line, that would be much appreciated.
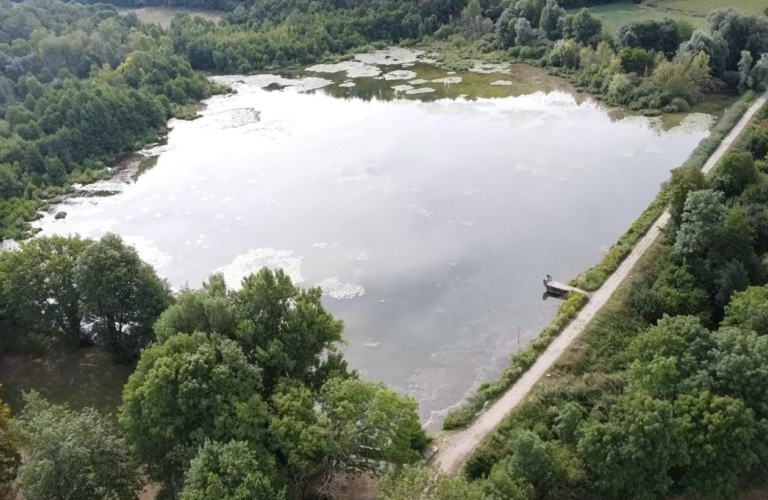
(559, 289)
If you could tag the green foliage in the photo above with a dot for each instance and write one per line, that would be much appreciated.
(675, 409)
(519, 364)
(524, 34)
(231, 471)
(10, 459)
(552, 20)
(659, 36)
(550, 468)
(636, 60)
(633, 451)
(703, 224)
(424, 483)
(258, 366)
(188, 390)
(39, 292)
(757, 143)
(582, 27)
(73, 455)
(684, 180)
(315, 436)
(121, 294)
(285, 330)
(719, 440)
(505, 28)
(74, 99)
(714, 45)
(748, 310)
(735, 173)
(741, 32)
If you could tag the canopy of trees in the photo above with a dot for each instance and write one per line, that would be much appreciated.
(256, 376)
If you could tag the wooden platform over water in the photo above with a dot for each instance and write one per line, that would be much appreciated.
(559, 289)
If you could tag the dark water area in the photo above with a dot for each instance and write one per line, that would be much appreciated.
(428, 223)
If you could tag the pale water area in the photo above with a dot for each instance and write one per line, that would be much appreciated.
(429, 225)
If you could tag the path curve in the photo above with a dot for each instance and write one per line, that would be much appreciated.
(454, 448)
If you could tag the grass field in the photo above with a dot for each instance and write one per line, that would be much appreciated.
(614, 15)
(164, 15)
(702, 7)
(83, 378)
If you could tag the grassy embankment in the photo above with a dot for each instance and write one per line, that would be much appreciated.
(593, 278)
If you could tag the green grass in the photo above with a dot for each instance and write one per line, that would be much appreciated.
(81, 379)
(164, 15)
(703, 7)
(614, 15)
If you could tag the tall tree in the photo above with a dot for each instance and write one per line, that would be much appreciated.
(38, 283)
(552, 20)
(190, 389)
(122, 295)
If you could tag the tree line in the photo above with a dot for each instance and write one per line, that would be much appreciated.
(236, 393)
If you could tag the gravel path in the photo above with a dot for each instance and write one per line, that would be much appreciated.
(455, 448)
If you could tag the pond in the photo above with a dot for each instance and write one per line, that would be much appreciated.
(429, 223)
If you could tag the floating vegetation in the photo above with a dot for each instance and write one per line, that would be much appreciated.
(420, 90)
(448, 80)
(418, 81)
(487, 68)
(391, 56)
(353, 69)
(248, 83)
(400, 74)
(402, 88)
(338, 290)
(694, 122)
(148, 251)
(347, 84)
(237, 117)
(252, 261)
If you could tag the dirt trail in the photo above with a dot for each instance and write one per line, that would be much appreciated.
(455, 448)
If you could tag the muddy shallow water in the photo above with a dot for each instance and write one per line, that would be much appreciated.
(429, 224)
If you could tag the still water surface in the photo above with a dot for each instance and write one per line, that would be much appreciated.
(429, 224)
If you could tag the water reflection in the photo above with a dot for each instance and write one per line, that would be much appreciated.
(429, 223)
